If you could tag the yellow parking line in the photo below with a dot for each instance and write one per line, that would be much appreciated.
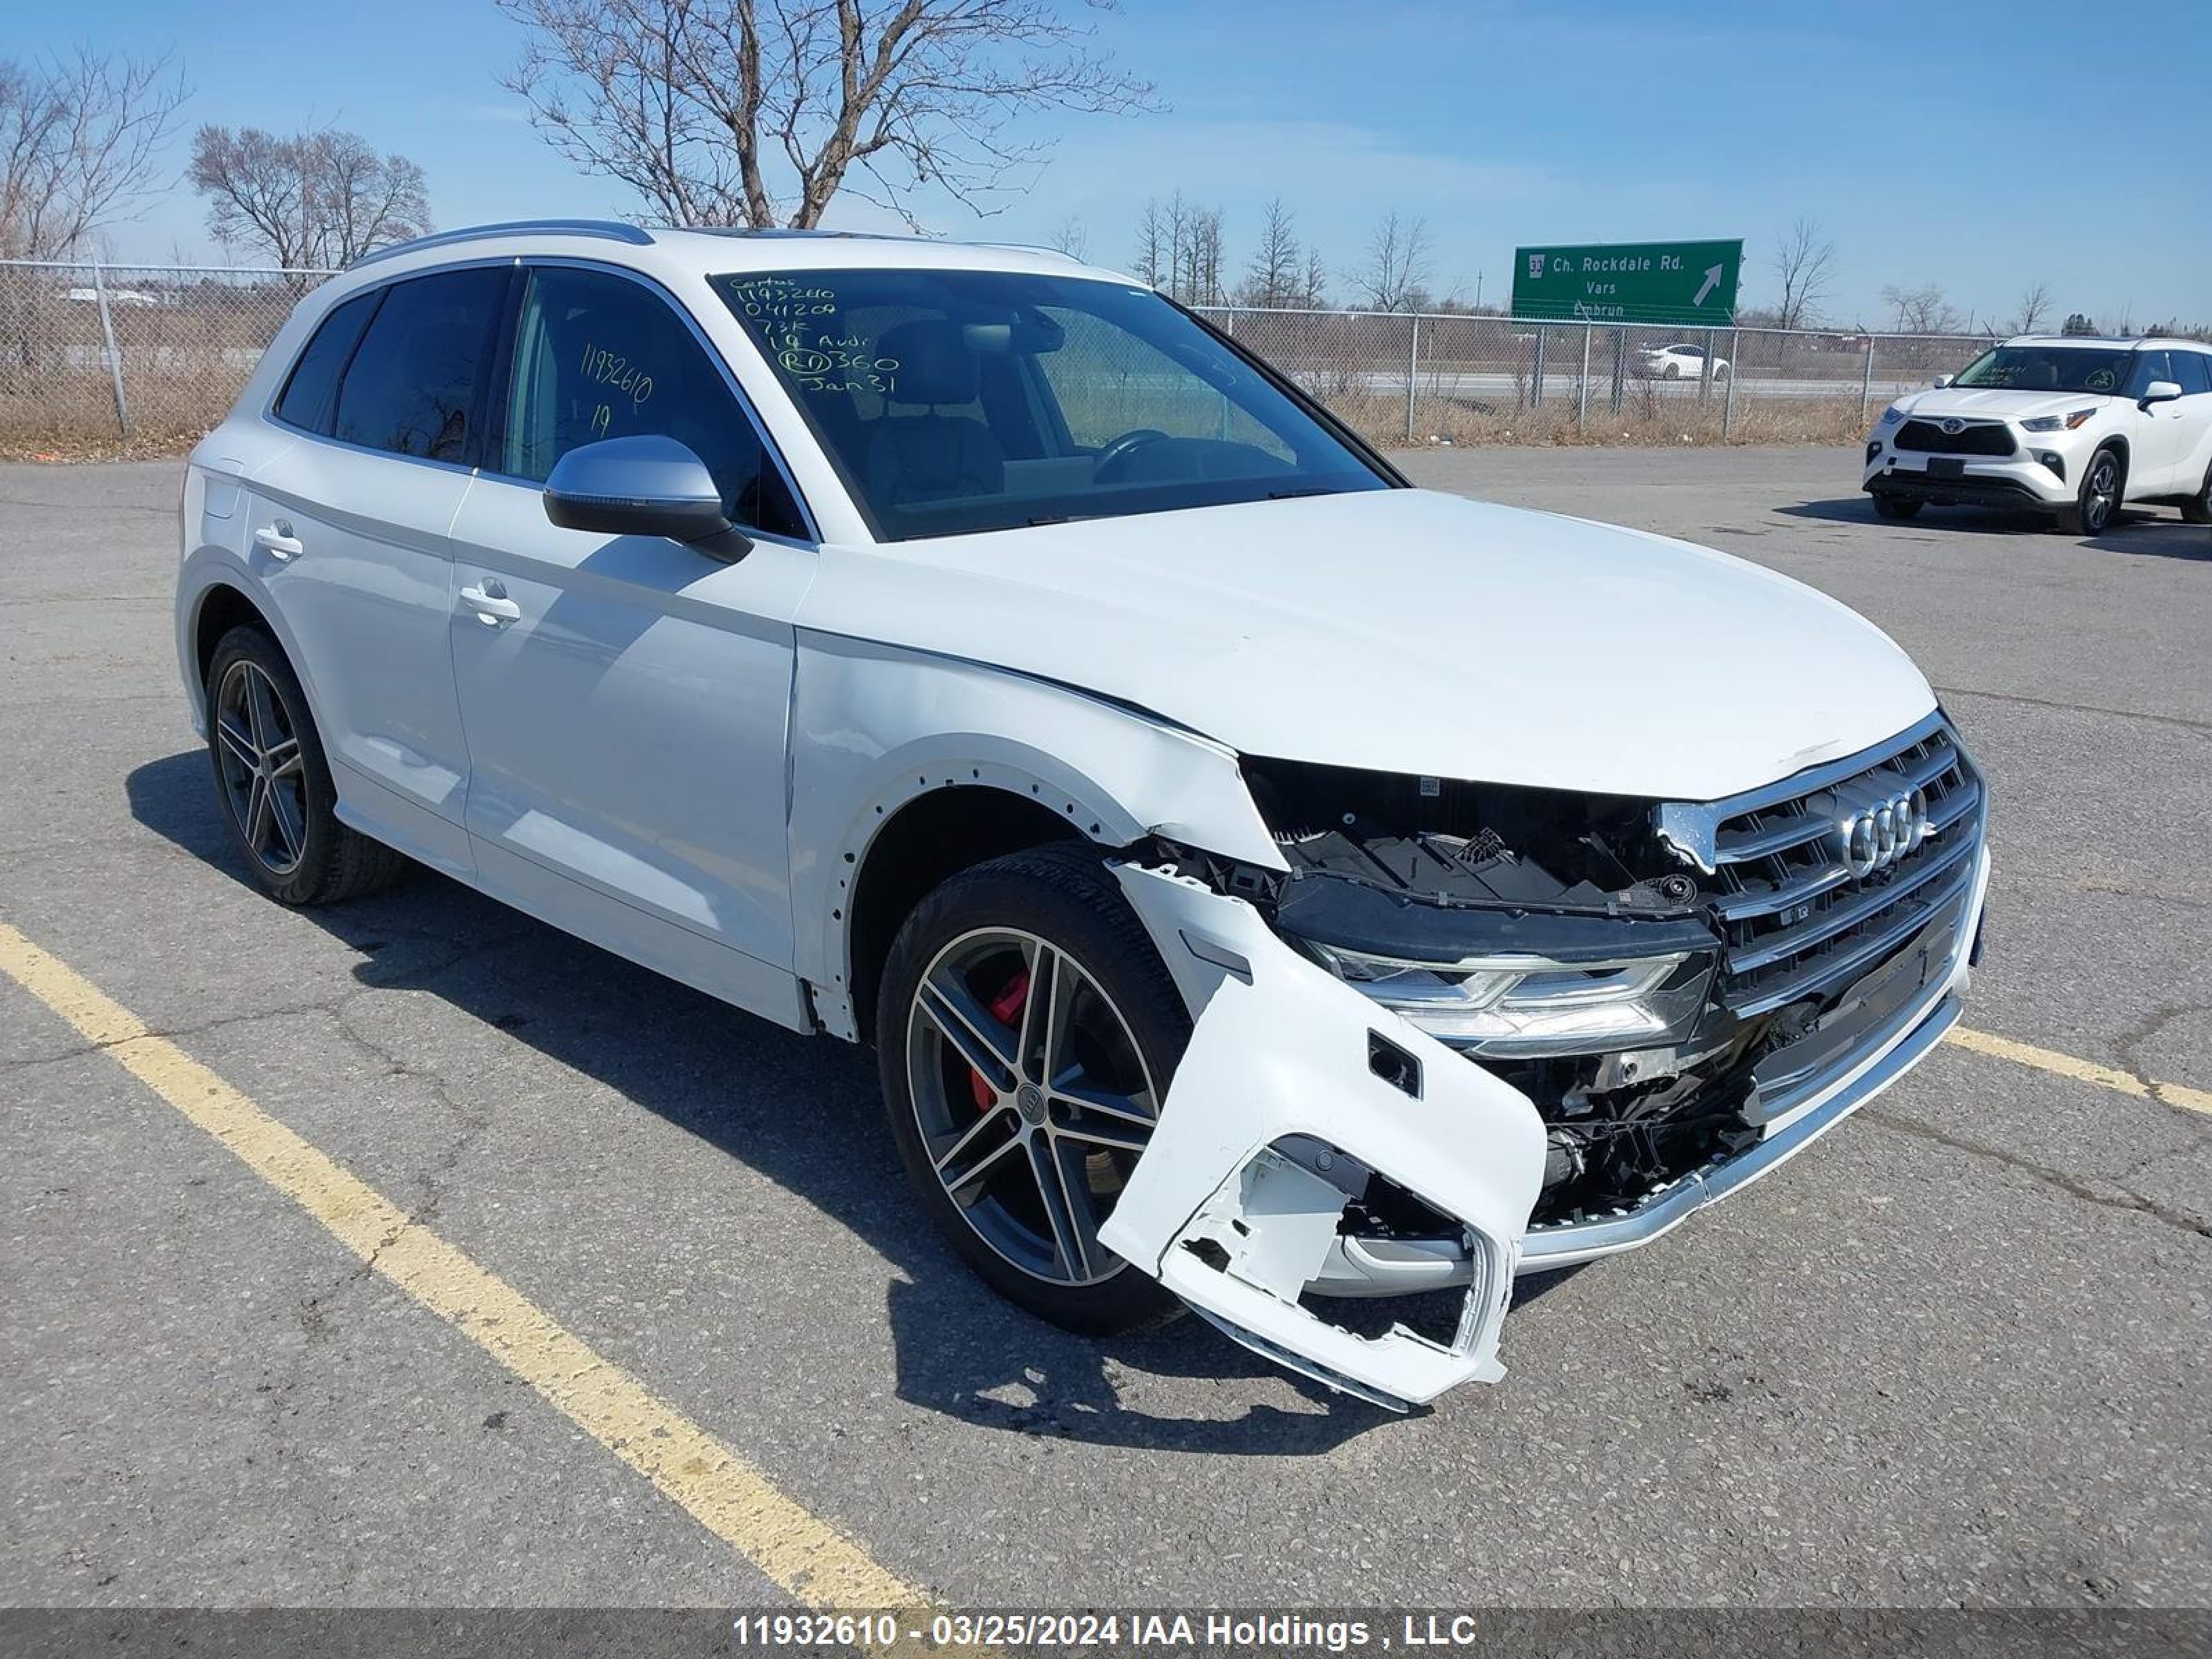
(2082, 1070)
(819, 1565)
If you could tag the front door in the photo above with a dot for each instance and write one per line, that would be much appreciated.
(626, 698)
(2156, 442)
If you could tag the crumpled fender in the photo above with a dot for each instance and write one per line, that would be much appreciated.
(1280, 1049)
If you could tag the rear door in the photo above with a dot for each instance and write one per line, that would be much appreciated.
(2193, 372)
(347, 528)
(626, 698)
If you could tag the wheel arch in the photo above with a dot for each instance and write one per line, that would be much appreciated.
(919, 846)
(221, 607)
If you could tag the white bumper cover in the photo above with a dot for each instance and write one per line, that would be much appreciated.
(1275, 1111)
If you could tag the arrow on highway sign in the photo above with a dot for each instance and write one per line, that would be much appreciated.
(1711, 281)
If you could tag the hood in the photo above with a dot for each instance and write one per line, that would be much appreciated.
(1407, 631)
(1996, 405)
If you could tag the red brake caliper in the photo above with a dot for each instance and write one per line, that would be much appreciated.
(1007, 1009)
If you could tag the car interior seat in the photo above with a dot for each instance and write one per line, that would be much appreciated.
(926, 455)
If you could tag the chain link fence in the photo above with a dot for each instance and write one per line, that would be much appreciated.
(1451, 378)
(107, 357)
(146, 357)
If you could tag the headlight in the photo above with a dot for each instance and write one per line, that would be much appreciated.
(2057, 423)
(1520, 1004)
(1891, 415)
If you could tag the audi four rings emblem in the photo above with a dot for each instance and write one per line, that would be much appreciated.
(1878, 820)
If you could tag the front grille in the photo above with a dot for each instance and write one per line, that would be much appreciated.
(1975, 438)
(1797, 923)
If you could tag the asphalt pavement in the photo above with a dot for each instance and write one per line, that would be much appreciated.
(1955, 1355)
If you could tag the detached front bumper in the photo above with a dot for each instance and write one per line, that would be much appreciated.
(1295, 1091)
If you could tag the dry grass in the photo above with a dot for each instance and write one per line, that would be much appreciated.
(1670, 421)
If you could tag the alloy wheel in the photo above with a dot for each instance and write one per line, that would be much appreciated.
(264, 781)
(1032, 1099)
(2102, 495)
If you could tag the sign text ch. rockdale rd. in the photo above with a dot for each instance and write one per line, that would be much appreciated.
(1691, 284)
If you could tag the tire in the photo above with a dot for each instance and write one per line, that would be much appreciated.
(2096, 503)
(1117, 1015)
(2198, 509)
(1673, 371)
(281, 815)
(1897, 507)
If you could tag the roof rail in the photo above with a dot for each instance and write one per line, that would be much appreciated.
(771, 233)
(612, 230)
(1045, 248)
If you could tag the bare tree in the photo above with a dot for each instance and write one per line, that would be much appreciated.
(694, 104)
(1313, 288)
(78, 142)
(315, 200)
(1072, 239)
(2034, 307)
(1806, 264)
(1177, 220)
(1274, 275)
(1203, 262)
(1397, 269)
(1150, 256)
(1922, 310)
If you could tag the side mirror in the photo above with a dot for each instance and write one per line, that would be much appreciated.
(2159, 391)
(647, 485)
(1942, 380)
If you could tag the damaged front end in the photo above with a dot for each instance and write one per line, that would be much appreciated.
(1477, 1030)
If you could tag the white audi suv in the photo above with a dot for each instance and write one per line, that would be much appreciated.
(1263, 883)
(2070, 427)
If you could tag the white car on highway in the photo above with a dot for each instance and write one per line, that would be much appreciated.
(2072, 426)
(1682, 363)
(1263, 883)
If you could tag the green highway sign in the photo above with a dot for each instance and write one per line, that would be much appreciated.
(1689, 285)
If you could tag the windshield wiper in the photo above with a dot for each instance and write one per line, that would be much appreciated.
(1311, 489)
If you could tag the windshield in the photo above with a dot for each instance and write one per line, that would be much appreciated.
(2047, 369)
(956, 401)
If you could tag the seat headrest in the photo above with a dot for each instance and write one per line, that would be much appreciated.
(935, 363)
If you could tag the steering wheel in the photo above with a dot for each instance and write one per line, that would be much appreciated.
(1127, 444)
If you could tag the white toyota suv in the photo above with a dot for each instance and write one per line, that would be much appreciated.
(2070, 426)
(1262, 882)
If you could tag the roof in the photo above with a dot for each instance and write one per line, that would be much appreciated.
(716, 251)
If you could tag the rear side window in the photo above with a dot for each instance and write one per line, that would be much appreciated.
(597, 356)
(305, 400)
(2192, 370)
(414, 383)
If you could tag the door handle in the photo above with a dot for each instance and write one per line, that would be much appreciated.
(491, 605)
(279, 542)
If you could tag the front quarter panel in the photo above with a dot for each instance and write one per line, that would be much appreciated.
(874, 726)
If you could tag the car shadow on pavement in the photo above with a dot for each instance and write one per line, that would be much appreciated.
(2153, 534)
(737, 1083)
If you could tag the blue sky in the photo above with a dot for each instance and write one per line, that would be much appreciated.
(1984, 147)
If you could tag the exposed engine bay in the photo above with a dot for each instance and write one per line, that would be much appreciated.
(1437, 870)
